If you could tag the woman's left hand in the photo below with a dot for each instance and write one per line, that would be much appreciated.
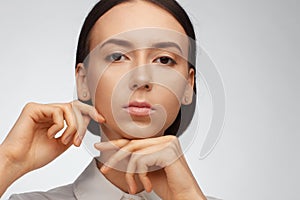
(173, 180)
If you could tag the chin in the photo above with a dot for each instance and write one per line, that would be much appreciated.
(144, 136)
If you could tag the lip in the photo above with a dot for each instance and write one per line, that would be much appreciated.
(140, 109)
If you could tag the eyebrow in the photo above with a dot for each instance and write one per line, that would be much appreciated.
(117, 42)
(162, 45)
(125, 43)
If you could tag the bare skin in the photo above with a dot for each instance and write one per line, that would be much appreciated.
(30, 143)
(164, 152)
(161, 151)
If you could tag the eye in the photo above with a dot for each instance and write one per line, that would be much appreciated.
(165, 60)
(116, 57)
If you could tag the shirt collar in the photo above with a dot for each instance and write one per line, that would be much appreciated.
(92, 185)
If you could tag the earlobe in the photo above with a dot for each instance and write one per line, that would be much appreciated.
(188, 95)
(189, 91)
(83, 92)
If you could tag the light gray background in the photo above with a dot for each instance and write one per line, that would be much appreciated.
(254, 45)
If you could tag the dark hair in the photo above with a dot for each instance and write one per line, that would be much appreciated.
(171, 6)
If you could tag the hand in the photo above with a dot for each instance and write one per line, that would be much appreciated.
(174, 181)
(31, 143)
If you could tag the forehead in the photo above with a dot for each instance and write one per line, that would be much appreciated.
(134, 15)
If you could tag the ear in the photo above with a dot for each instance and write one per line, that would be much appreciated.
(189, 88)
(83, 92)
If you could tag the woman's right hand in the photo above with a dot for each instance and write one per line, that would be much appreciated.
(31, 143)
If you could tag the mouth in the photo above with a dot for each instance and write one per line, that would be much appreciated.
(140, 109)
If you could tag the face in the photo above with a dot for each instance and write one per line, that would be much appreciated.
(137, 73)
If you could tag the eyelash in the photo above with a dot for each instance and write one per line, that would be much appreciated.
(171, 61)
(118, 57)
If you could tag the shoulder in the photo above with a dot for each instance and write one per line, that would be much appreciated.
(63, 193)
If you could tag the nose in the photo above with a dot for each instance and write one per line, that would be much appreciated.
(141, 78)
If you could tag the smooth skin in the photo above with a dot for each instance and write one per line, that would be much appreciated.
(174, 180)
(31, 143)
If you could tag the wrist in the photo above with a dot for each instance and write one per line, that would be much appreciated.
(4, 164)
(190, 195)
(5, 177)
(9, 170)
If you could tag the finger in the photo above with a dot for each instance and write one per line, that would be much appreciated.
(142, 166)
(143, 163)
(81, 128)
(132, 186)
(115, 159)
(139, 163)
(129, 177)
(136, 145)
(111, 145)
(83, 114)
(58, 121)
(88, 110)
(69, 117)
(145, 181)
(132, 146)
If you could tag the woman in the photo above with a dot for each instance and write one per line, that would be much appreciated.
(124, 59)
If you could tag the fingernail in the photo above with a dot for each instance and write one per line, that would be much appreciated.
(98, 145)
(104, 169)
(67, 140)
(51, 135)
(78, 140)
(130, 190)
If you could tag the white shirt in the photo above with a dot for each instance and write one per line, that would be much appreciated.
(90, 185)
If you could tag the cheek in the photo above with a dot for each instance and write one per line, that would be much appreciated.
(170, 103)
(106, 85)
(103, 93)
